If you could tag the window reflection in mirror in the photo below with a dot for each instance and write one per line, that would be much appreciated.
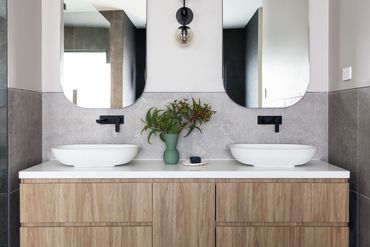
(104, 60)
(266, 52)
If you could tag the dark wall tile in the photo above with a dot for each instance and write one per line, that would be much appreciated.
(353, 220)
(364, 221)
(3, 49)
(14, 219)
(3, 128)
(3, 220)
(3, 46)
(343, 131)
(25, 132)
(3, 99)
(364, 143)
(3, 150)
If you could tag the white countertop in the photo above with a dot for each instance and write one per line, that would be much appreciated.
(157, 169)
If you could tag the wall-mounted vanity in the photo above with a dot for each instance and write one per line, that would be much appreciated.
(149, 204)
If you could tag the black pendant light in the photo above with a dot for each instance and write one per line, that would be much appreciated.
(184, 34)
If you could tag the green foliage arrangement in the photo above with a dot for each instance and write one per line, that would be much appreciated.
(177, 116)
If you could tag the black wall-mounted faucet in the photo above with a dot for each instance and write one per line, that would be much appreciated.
(271, 120)
(116, 120)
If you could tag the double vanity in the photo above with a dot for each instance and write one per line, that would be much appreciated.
(146, 203)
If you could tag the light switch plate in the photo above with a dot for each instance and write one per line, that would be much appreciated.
(347, 74)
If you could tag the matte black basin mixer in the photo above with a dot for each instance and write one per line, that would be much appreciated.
(116, 120)
(271, 120)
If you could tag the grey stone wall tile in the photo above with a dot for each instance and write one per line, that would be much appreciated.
(65, 123)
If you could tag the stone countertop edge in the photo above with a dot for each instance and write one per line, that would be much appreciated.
(141, 169)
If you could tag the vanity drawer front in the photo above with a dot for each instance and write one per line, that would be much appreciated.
(86, 202)
(282, 202)
(184, 215)
(86, 236)
(282, 236)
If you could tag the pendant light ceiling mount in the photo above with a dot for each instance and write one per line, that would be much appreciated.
(184, 15)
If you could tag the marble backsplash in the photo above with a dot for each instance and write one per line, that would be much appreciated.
(304, 123)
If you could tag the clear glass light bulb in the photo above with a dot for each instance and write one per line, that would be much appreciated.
(184, 36)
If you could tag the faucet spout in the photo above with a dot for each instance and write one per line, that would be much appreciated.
(101, 121)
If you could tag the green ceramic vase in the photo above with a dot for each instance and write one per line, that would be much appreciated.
(171, 155)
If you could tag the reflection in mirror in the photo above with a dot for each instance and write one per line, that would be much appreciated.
(104, 60)
(266, 52)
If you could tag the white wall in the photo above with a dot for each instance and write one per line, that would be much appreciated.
(349, 43)
(319, 45)
(24, 44)
(198, 68)
(176, 69)
(51, 26)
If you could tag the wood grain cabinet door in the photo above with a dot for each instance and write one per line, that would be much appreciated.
(86, 236)
(86, 203)
(282, 202)
(282, 237)
(183, 215)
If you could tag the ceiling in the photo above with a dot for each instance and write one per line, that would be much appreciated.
(88, 11)
(237, 13)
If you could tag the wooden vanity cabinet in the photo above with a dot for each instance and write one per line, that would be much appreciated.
(73, 236)
(91, 213)
(283, 236)
(282, 213)
(86, 202)
(184, 213)
(282, 202)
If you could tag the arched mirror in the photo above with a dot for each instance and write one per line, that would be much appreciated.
(104, 52)
(266, 52)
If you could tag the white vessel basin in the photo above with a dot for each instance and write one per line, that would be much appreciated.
(272, 155)
(95, 155)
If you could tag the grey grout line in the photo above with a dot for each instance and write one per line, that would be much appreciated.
(358, 169)
(358, 141)
(13, 191)
(348, 89)
(24, 90)
(363, 195)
